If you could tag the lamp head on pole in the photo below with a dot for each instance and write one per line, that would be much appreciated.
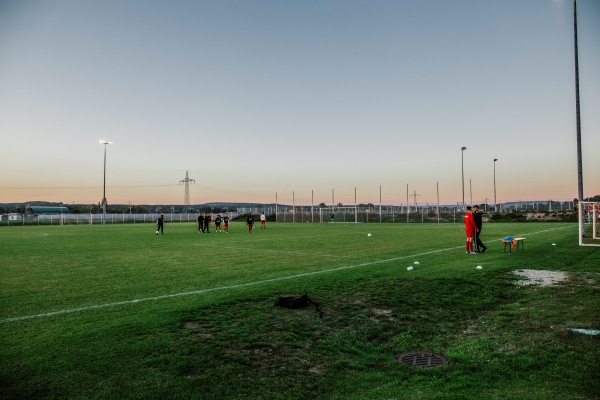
(105, 142)
(463, 148)
(495, 159)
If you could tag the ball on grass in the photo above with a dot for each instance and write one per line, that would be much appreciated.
(368, 234)
(409, 268)
(416, 262)
(479, 267)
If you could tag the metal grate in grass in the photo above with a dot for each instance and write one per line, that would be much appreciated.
(422, 359)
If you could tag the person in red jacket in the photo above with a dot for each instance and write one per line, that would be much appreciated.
(470, 229)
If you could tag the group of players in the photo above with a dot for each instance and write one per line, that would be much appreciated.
(204, 221)
(473, 223)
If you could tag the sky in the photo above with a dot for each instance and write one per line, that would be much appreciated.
(297, 101)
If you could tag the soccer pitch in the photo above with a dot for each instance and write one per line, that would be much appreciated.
(116, 311)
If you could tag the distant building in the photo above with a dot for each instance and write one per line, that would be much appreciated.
(47, 210)
(14, 217)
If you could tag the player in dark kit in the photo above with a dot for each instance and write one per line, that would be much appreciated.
(206, 223)
(160, 224)
(478, 218)
(250, 222)
(201, 223)
(226, 223)
(218, 223)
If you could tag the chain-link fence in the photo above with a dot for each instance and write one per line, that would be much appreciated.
(300, 214)
(15, 219)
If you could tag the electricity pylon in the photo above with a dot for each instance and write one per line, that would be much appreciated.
(415, 195)
(186, 196)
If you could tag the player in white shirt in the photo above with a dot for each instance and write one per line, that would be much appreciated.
(263, 221)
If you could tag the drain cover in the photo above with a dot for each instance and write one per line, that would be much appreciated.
(422, 359)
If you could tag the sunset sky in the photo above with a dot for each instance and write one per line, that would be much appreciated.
(258, 97)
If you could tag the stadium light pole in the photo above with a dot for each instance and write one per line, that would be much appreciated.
(104, 142)
(470, 192)
(462, 167)
(495, 203)
(437, 186)
(578, 118)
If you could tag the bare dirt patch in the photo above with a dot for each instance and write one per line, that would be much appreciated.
(540, 277)
(383, 313)
(191, 325)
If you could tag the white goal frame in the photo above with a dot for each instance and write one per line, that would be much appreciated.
(590, 235)
(350, 214)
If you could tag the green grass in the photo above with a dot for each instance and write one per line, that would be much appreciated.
(115, 311)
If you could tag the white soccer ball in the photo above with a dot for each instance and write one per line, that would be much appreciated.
(416, 262)
(157, 232)
(479, 267)
(409, 268)
(368, 234)
(553, 244)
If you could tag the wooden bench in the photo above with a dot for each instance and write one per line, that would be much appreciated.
(519, 240)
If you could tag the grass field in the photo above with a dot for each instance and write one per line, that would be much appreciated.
(117, 312)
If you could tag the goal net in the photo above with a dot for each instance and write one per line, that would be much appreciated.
(340, 214)
(590, 223)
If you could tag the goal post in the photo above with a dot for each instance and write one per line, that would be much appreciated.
(590, 223)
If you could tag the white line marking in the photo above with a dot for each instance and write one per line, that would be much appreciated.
(24, 236)
(202, 291)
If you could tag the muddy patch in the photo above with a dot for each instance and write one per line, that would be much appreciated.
(540, 277)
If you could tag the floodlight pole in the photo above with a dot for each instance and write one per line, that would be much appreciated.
(495, 203)
(293, 206)
(471, 192)
(462, 167)
(407, 204)
(332, 201)
(355, 207)
(437, 188)
(379, 203)
(104, 142)
(577, 107)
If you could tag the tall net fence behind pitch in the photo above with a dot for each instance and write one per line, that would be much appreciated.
(351, 214)
(591, 223)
